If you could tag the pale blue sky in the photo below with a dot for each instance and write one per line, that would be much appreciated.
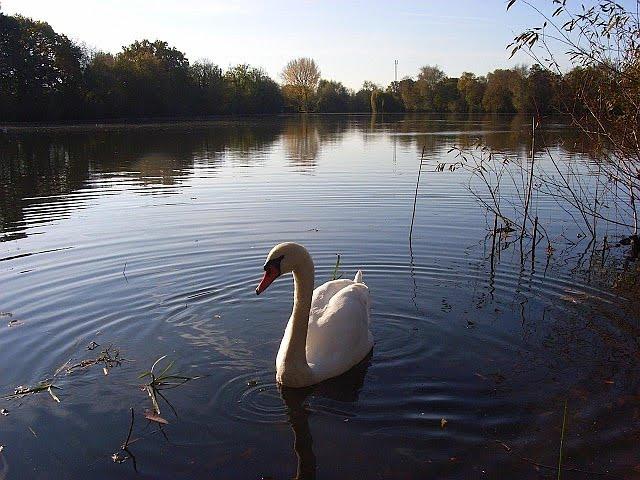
(352, 41)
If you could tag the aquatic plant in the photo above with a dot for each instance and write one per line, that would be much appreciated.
(165, 379)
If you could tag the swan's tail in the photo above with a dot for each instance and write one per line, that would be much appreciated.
(358, 277)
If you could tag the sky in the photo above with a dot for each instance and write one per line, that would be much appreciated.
(351, 41)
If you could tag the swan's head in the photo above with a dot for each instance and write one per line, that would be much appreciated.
(283, 258)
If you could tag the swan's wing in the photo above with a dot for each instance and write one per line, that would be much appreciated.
(352, 301)
(323, 295)
(339, 337)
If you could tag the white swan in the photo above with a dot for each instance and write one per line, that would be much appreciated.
(328, 332)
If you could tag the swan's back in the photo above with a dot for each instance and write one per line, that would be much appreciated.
(338, 336)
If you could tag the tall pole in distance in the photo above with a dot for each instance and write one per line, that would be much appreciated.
(395, 77)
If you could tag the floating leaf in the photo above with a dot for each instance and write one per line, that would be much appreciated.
(149, 415)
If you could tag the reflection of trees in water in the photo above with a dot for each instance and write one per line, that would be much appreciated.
(509, 134)
(246, 143)
(54, 163)
(303, 136)
(301, 141)
(28, 169)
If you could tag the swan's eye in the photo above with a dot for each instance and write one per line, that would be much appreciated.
(274, 263)
(271, 272)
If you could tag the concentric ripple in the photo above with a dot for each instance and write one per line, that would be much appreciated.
(252, 398)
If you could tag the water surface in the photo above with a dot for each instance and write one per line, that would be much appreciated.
(152, 238)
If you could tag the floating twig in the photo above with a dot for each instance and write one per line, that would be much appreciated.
(110, 357)
(22, 391)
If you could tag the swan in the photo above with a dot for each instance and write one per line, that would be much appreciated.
(328, 331)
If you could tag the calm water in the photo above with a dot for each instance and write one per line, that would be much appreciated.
(152, 239)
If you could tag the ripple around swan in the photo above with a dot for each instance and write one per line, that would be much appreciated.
(253, 398)
(397, 339)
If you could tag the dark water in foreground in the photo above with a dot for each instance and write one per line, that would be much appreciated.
(152, 239)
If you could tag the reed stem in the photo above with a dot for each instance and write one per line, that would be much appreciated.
(415, 198)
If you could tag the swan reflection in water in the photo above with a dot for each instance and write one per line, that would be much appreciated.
(344, 388)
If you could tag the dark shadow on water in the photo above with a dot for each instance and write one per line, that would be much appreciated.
(344, 388)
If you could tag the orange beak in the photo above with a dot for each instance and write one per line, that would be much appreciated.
(270, 274)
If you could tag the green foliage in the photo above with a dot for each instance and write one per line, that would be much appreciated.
(157, 77)
(208, 84)
(446, 97)
(498, 95)
(361, 101)
(333, 97)
(45, 76)
(250, 90)
(40, 75)
(472, 89)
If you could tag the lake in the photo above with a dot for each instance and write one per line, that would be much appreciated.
(144, 241)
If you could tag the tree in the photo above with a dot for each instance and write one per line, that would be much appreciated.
(333, 97)
(209, 87)
(40, 74)
(431, 75)
(409, 94)
(361, 101)
(392, 101)
(446, 97)
(471, 89)
(542, 86)
(105, 96)
(156, 76)
(498, 92)
(302, 76)
(519, 87)
(377, 102)
(250, 90)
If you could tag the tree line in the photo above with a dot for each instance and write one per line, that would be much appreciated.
(46, 76)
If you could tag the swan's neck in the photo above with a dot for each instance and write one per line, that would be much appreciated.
(292, 363)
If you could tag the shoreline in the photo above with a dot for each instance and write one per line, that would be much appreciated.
(120, 123)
